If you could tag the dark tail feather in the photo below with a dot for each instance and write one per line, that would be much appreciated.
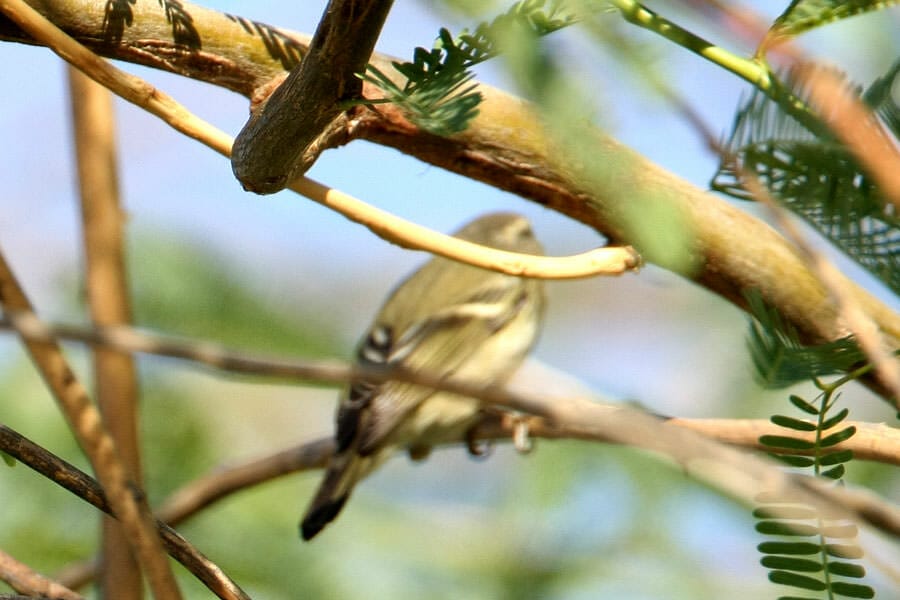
(318, 516)
(342, 475)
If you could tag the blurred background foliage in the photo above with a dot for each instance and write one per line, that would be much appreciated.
(570, 520)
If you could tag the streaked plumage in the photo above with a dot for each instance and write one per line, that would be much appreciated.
(447, 319)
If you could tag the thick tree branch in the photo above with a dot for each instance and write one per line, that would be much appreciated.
(280, 141)
(83, 486)
(607, 261)
(222, 49)
(506, 147)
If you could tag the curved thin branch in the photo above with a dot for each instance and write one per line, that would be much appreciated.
(872, 442)
(876, 442)
(739, 475)
(79, 483)
(602, 261)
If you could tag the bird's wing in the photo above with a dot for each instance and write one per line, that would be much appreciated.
(442, 343)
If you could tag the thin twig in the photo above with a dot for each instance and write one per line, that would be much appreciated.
(280, 141)
(600, 261)
(82, 485)
(86, 423)
(114, 373)
(735, 473)
(855, 318)
(872, 442)
(740, 475)
(25, 580)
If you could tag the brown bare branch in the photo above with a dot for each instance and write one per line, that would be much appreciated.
(739, 475)
(114, 372)
(279, 142)
(25, 580)
(72, 479)
(86, 423)
(857, 127)
(872, 441)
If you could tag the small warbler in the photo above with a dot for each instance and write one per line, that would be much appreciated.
(446, 319)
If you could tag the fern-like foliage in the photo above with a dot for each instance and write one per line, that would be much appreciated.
(803, 15)
(438, 94)
(881, 98)
(817, 177)
(779, 357)
(811, 552)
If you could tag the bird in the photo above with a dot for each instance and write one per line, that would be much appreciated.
(446, 319)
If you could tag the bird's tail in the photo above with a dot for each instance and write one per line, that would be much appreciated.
(342, 475)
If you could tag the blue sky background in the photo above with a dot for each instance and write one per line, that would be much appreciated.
(650, 337)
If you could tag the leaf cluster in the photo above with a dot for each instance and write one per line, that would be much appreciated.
(809, 543)
(803, 15)
(780, 359)
(439, 95)
(816, 176)
(812, 550)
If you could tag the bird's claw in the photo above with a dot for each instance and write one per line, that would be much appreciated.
(481, 449)
(522, 442)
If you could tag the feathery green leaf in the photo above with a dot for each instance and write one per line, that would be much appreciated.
(852, 590)
(780, 359)
(793, 548)
(799, 581)
(803, 15)
(835, 419)
(845, 569)
(788, 563)
(817, 177)
(439, 95)
(835, 472)
(783, 441)
(794, 461)
(803, 405)
(837, 438)
(792, 423)
(835, 458)
(849, 551)
(786, 528)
